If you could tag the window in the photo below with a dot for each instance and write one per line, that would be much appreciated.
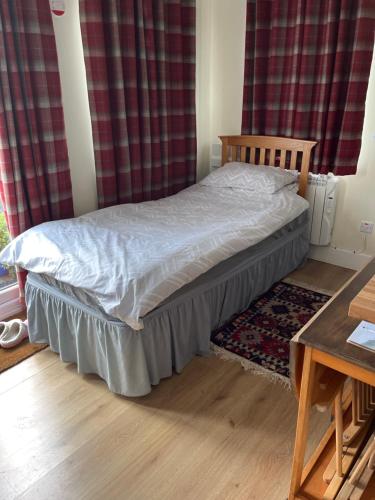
(9, 302)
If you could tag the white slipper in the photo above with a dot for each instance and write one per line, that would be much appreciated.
(3, 327)
(14, 333)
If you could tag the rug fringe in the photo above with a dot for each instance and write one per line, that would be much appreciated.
(254, 368)
(307, 286)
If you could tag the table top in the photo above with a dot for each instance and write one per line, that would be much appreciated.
(333, 326)
(363, 305)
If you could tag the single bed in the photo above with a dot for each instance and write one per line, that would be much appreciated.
(133, 342)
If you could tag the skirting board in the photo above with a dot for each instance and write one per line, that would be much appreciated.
(339, 257)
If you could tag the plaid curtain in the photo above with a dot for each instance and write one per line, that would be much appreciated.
(306, 74)
(34, 171)
(140, 64)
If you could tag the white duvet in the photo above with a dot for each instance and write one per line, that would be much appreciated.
(131, 257)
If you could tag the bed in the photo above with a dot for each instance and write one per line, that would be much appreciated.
(191, 261)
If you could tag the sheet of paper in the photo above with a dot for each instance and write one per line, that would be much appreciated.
(364, 336)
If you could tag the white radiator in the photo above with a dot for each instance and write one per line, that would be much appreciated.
(322, 193)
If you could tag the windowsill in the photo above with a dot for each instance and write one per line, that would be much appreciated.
(9, 302)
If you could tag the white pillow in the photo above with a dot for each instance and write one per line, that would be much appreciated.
(261, 178)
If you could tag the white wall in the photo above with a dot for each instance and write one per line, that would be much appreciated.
(203, 84)
(221, 46)
(357, 193)
(76, 108)
(222, 112)
(228, 57)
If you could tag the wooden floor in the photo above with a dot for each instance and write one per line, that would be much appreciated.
(213, 432)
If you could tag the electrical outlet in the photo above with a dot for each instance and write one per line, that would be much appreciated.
(367, 226)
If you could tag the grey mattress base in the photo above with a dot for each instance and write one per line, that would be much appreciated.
(180, 328)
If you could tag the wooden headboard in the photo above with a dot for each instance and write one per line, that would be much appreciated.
(273, 151)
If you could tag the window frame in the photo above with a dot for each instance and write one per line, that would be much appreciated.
(10, 303)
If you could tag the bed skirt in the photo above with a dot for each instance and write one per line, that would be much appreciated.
(132, 361)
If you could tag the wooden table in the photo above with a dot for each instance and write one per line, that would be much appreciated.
(325, 348)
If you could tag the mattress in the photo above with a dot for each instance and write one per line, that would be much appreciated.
(130, 258)
(179, 328)
(221, 271)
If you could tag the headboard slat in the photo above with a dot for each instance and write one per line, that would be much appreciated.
(282, 158)
(243, 153)
(289, 148)
(272, 157)
(293, 160)
(262, 157)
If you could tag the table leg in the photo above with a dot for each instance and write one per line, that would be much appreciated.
(304, 407)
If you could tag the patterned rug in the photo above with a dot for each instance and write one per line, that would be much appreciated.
(259, 337)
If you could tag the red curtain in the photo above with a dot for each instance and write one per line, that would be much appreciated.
(34, 172)
(140, 64)
(306, 73)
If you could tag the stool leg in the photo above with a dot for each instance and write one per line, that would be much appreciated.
(362, 463)
(354, 401)
(339, 432)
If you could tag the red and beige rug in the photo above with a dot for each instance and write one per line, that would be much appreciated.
(11, 357)
(259, 337)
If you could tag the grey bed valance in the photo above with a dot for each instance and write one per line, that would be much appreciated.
(132, 361)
